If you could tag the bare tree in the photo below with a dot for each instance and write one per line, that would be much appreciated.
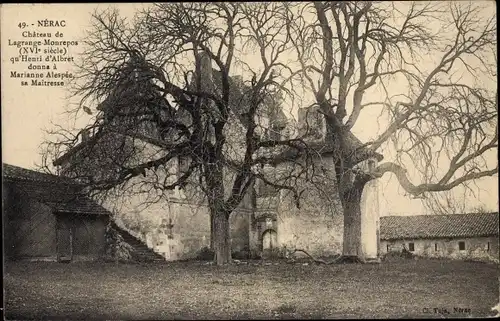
(447, 202)
(433, 63)
(167, 96)
(428, 69)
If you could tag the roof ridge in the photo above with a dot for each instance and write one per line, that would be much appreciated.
(442, 215)
(439, 226)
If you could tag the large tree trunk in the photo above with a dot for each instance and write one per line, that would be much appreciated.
(352, 250)
(220, 241)
(351, 204)
(221, 238)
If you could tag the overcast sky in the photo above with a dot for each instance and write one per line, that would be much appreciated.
(28, 111)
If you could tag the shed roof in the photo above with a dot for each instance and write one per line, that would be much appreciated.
(62, 194)
(438, 226)
(22, 174)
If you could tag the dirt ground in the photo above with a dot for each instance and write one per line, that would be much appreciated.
(194, 290)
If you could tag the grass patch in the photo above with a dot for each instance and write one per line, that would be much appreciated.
(192, 290)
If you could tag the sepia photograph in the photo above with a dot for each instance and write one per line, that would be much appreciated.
(250, 160)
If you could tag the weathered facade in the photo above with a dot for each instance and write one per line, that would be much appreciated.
(177, 224)
(451, 236)
(46, 218)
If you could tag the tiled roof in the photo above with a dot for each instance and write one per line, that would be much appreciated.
(62, 194)
(438, 226)
(19, 173)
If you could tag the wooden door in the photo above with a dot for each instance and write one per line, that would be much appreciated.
(64, 240)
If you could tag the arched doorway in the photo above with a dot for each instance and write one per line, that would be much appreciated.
(269, 241)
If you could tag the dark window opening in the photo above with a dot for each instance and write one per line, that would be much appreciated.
(488, 248)
(183, 164)
(387, 247)
(411, 247)
(435, 246)
(168, 228)
(461, 246)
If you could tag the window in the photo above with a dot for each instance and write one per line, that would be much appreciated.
(461, 246)
(411, 247)
(183, 164)
(388, 247)
(168, 228)
(488, 248)
(435, 247)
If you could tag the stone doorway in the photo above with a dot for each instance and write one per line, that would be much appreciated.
(269, 243)
(269, 240)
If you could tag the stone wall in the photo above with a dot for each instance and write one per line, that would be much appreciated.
(311, 227)
(317, 226)
(176, 228)
(449, 248)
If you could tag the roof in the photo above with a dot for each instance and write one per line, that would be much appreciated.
(19, 173)
(62, 194)
(438, 226)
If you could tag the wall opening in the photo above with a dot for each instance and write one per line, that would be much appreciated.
(411, 247)
(64, 237)
(435, 247)
(461, 246)
(269, 240)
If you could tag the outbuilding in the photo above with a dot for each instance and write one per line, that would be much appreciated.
(47, 217)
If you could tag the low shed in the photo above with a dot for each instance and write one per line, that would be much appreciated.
(453, 236)
(47, 217)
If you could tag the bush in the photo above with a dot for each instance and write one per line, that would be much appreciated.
(116, 248)
(480, 256)
(395, 255)
(241, 254)
(205, 254)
